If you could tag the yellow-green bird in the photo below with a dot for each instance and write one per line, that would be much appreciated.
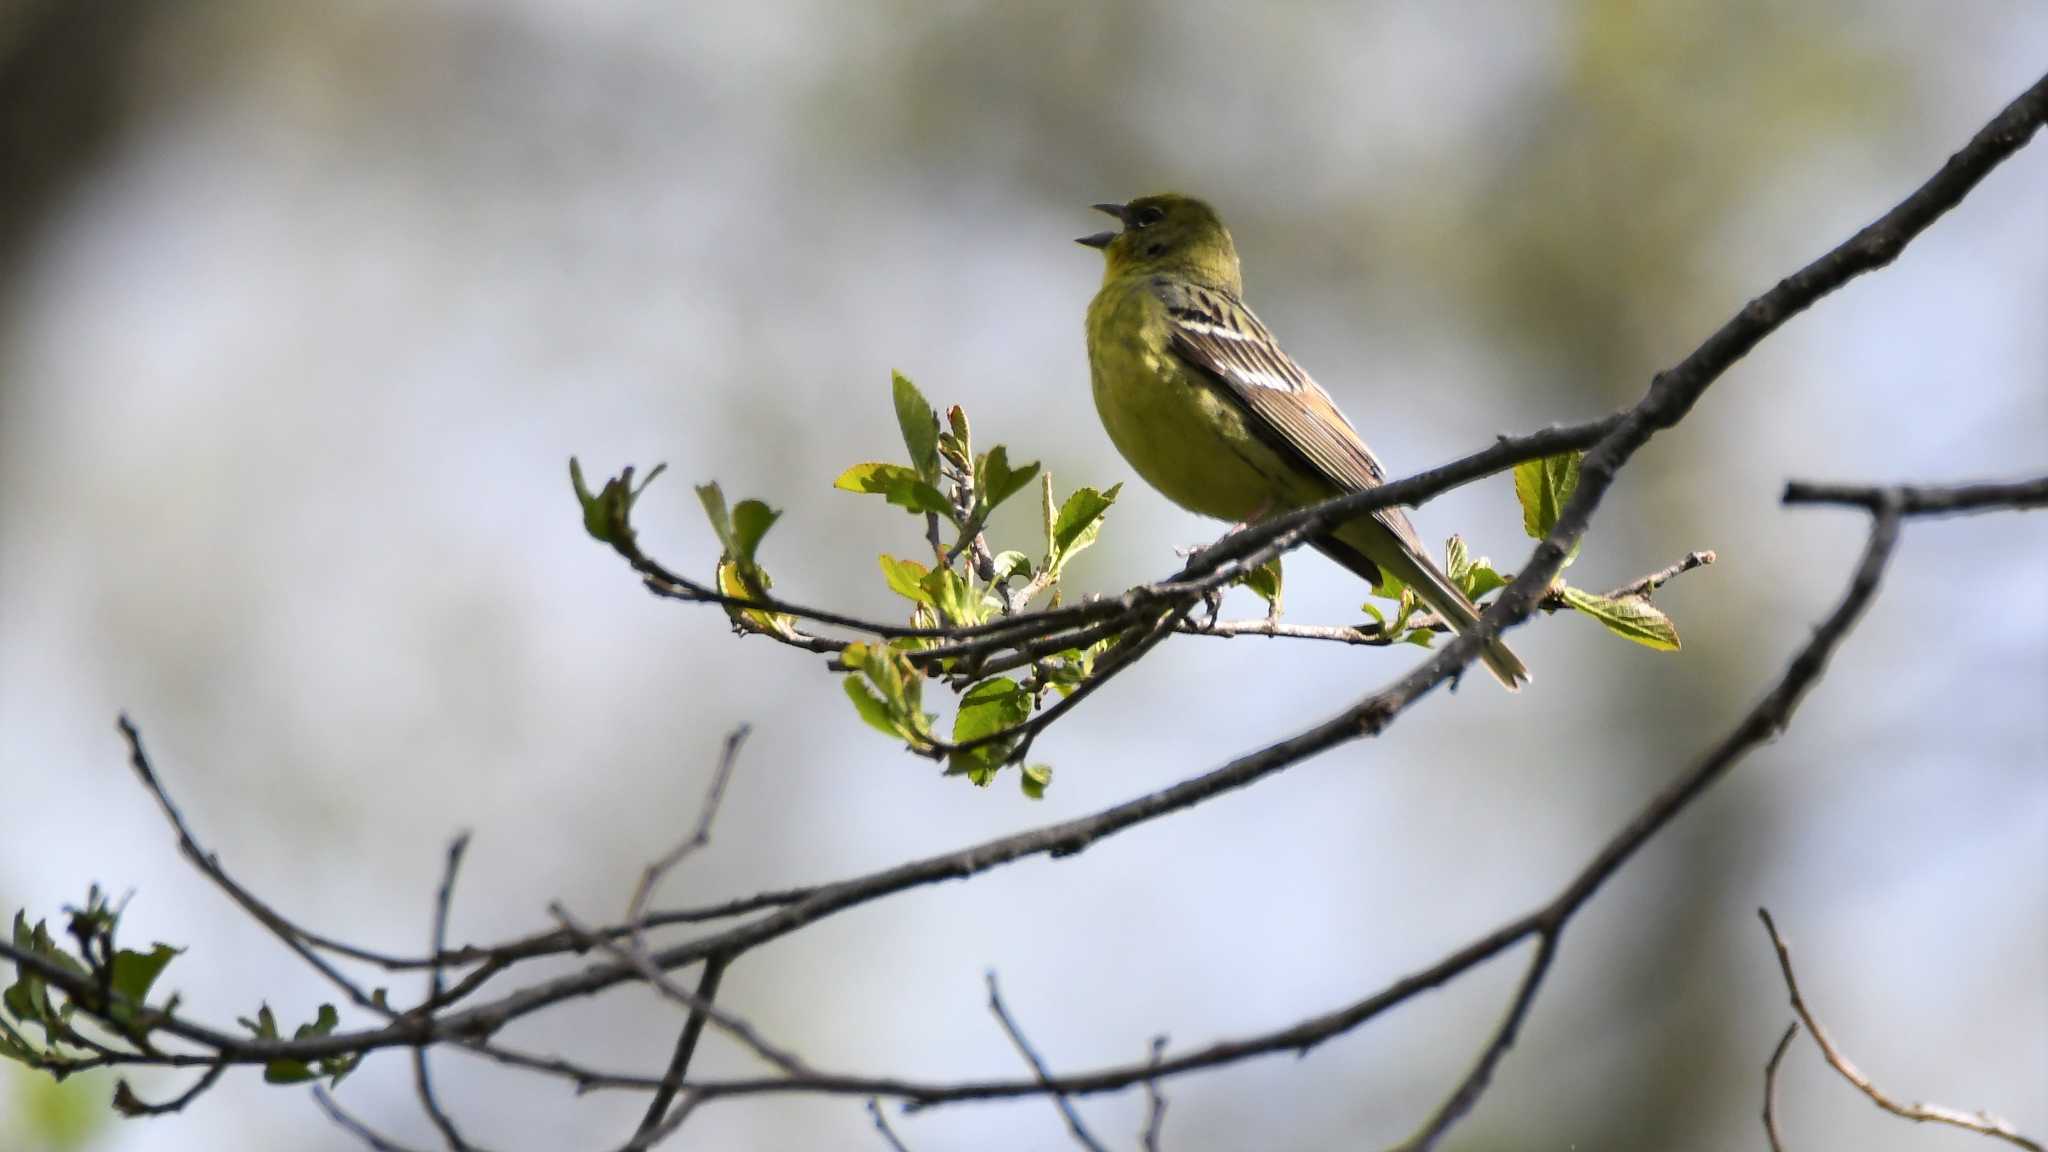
(1199, 398)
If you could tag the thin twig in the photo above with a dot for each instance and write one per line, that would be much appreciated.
(1981, 1122)
(1082, 1136)
(686, 1047)
(376, 1141)
(882, 1125)
(1771, 1087)
(423, 1080)
(209, 865)
(1155, 1103)
(1474, 1084)
(692, 1002)
(127, 1103)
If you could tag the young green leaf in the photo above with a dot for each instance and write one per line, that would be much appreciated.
(1078, 524)
(990, 707)
(905, 578)
(1457, 560)
(1630, 617)
(607, 513)
(714, 510)
(899, 485)
(1264, 581)
(1036, 778)
(920, 425)
(1543, 486)
(751, 520)
(133, 974)
(872, 708)
(999, 481)
(948, 591)
(1481, 579)
(1011, 565)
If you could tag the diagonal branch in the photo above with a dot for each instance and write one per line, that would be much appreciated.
(1771, 1087)
(1981, 1122)
(1082, 1136)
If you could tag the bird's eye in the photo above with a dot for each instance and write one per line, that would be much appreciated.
(1149, 214)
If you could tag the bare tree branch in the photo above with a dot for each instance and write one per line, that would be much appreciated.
(422, 1079)
(1981, 1122)
(1155, 1103)
(882, 1126)
(1924, 500)
(1082, 1136)
(1771, 1086)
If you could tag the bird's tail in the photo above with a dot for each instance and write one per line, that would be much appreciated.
(1439, 595)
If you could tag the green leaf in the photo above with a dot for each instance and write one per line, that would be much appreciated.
(948, 591)
(1630, 617)
(751, 520)
(1481, 579)
(264, 1026)
(905, 578)
(899, 485)
(714, 510)
(1265, 581)
(1543, 486)
(1036, 778)
(1457, 561)
(607, 513)
(1078, 523)
(988, 709)
(300, 1071)
(1010, 565)
(920, 426)
(998, 480)
(133, 974)
(991, 706)
(872, 708)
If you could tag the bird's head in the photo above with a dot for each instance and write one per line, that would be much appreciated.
(1168, 235)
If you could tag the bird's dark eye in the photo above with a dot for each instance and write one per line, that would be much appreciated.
(1149, 214)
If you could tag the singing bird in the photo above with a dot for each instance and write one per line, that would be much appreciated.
(1201, 401)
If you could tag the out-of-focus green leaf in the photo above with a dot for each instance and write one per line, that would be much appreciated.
(57, 1116)
(1036, 778)
(920, 425)
(134, 973)
(1630, 617)
(300, 1071)
(715, 511)
(607, 513)
(1265, 581)
(751, 520)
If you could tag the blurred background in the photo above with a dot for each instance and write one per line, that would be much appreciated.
(304, 307)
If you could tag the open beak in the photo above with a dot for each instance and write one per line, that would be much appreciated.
(1102, 239)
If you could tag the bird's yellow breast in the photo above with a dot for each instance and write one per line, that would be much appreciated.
(1172, 424)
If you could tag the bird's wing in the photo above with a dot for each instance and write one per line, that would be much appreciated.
(1215, 333)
